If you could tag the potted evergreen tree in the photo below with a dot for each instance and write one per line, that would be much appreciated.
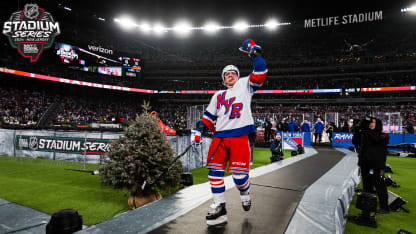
(138, 161)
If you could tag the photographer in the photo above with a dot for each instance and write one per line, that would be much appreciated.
(371, 144)
(276, 148)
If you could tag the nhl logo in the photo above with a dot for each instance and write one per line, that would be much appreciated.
(31, 30)
(31, 11)
(33, 143)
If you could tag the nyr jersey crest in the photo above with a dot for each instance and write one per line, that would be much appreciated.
(229, 105)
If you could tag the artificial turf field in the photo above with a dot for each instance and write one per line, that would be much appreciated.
(404, 174)
(46, 186)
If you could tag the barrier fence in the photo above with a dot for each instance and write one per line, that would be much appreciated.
(86, 147)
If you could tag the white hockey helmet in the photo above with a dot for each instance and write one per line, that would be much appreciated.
(230, 68)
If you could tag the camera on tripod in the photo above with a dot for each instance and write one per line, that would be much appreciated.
(361, 125)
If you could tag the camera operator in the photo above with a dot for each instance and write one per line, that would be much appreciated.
(372, 143)
(276, 148)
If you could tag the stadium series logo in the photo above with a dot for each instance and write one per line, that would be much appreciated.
(31, 30)
(62, 144)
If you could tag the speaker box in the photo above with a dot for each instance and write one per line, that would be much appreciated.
(293, 153)
(64, 222)
(366, 202)
(187, 179)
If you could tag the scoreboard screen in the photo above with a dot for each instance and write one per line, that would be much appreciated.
(98, 59)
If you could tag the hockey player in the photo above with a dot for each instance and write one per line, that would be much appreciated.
(229, 116)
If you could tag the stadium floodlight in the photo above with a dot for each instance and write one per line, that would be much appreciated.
(159, 29)
(145, 27)
(183, 28)
(101, 19)
(240, 26)
(67, 8)
(409, 9)
(126, 22)
(211, 27)
(271, 24)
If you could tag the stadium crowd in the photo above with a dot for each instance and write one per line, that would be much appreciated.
(22, 107)
(297, 59)
(26, 107)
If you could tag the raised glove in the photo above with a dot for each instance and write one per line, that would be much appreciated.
(249, 48)
(196, 137)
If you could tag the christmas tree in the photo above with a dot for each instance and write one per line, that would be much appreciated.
(141, 160)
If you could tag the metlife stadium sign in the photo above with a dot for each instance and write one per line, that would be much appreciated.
(31, 30)
(344, 19)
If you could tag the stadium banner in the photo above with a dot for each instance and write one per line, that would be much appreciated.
(62, 144)
(102, 125)
(128, 89)
(389, 89)
(73, 82)
(72, 146)
(342, 139)
(307, 138)
(291, 140)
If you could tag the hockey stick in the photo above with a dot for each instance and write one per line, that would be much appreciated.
(215, 151)
(163, 173)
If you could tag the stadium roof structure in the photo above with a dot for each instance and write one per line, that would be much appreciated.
(200, 10)
(225, 12)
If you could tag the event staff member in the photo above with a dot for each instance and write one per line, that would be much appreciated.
(372, 143)
(305, 126)
(318, 128)
(291, 126)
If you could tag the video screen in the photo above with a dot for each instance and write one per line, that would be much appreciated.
(98, 59)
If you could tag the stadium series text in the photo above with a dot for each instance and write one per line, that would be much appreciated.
(345, 19)
(30, 28)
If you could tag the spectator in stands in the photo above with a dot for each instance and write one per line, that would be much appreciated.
(276, 148)
(305, 126)
(318, 128)
(372, 143)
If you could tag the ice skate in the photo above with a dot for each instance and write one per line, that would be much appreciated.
(246, 202)
(218, 216)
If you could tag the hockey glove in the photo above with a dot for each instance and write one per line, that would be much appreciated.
(196, 137)
(250, 48)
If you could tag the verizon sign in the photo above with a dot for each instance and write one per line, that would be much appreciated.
(100, 49)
